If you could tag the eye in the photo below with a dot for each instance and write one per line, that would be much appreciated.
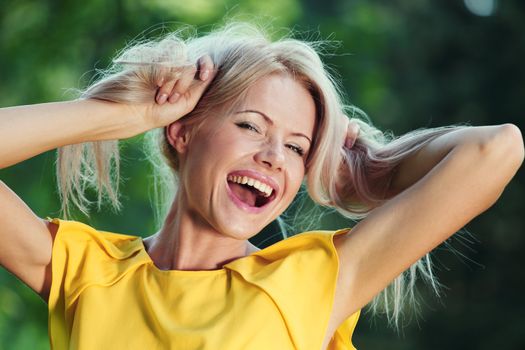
(296, 149)
(245, 125)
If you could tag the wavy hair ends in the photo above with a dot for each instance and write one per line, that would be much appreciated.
(353, 181)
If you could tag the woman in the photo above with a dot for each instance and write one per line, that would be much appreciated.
(240, 131)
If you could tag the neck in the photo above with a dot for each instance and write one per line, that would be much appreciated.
(187, 242)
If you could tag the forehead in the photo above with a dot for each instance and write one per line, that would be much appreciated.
(286, 101)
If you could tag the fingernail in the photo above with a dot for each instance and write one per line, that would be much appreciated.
(160, 82)
(204, 75)
(162, 98)
(174, 97)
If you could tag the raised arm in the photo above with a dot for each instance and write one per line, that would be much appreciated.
(25, 239)
(413, 168)
(450, 181)
(26, 131)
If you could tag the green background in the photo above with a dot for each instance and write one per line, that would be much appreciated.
(408, 64)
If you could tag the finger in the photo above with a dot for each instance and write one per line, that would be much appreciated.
(187, 102)
(196, 90)
(205, 67)
(183, 84)
(165, 91)
(351, 134)
(167, 77)
(354, 128)
(162, 76)
(349, 142)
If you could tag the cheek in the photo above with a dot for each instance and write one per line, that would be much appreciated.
(295, 178)
(207, 150)
(197, 169)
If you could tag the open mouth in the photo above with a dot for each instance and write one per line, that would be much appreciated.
(250, 192)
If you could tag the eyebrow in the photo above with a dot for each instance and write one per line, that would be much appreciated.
(270, 121)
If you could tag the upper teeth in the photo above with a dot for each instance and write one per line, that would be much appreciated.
(245, 180)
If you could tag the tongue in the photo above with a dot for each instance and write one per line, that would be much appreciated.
(243, 193)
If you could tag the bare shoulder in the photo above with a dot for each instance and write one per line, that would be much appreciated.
(27, 241)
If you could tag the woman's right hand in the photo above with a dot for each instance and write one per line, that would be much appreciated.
(178, 92)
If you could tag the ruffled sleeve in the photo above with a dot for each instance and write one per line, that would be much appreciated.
(83, 256)
(300, 275)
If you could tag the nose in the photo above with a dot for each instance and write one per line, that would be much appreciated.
(271, 155)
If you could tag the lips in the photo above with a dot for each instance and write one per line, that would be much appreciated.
(267, 180)
(247, 194)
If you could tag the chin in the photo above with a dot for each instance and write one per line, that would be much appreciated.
(240, 231)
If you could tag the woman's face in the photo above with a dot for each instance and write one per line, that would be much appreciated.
(264, 143)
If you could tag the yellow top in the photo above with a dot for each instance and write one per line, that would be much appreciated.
(106, 293)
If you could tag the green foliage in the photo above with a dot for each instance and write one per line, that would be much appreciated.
(408, 64)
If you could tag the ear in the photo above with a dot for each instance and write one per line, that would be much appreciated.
(178, 136)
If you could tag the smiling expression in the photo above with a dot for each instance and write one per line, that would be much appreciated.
(265, 143)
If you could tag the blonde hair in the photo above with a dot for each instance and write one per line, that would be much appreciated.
(353, 181)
